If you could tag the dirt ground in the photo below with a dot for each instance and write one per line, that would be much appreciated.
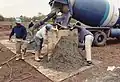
(19, 71)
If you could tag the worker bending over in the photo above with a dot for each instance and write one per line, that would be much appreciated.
(85, 38)
(41, 38)
(20, 34)
(30, 29)
(31, 24)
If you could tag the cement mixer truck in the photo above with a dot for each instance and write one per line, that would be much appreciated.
(101, 16)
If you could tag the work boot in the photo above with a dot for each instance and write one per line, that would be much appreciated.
(89, 63)
(17, 57)
(23, 53)
(37, 56)
(22, 57)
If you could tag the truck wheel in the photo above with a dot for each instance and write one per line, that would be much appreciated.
(100, 38)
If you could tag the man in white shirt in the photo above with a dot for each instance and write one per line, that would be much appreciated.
(40, 37)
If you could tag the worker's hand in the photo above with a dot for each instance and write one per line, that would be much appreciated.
(55, 29)
(72, 28)
(61, 26)
(29, 42)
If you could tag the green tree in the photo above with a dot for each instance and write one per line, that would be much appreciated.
(11, 19)
(39, 17)
(1, 18)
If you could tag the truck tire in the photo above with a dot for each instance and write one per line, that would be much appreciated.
(100, 38)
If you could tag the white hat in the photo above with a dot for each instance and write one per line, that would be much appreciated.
(18, 20)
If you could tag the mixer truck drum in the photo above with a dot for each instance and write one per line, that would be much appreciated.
(100, 38)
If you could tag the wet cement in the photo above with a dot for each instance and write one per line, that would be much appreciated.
(65, 57)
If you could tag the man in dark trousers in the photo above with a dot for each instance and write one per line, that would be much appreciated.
(20, 34)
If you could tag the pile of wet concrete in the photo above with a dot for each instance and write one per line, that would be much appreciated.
(66, 57)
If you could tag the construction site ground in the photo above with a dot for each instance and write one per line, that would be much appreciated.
(20, 71)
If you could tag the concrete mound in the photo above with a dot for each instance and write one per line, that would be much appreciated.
(66, 57)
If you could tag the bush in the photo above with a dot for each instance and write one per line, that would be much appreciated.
(1, 18)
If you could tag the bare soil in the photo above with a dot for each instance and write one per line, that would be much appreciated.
(110, 56)
(19, 71)
(16, 71)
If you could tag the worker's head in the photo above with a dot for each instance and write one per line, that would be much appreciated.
(18, 21)
(49, 27)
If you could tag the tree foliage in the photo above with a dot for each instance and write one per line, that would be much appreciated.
(39, 17)
(1, 18)
(11, 19)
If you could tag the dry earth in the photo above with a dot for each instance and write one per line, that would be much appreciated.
(19, 71)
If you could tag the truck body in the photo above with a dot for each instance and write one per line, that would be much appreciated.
(102, 16)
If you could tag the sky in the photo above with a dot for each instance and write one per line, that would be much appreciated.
(15, 8)
(10, 8)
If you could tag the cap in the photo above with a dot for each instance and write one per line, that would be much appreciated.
(18, 20)
(49, 26)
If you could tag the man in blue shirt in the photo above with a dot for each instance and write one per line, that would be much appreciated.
(20, 34)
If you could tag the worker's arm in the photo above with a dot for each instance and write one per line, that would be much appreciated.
(11, 34)
(45, 37)
(61, 25)
(54, 29)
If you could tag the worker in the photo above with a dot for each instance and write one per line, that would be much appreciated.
(31, 24)
(20, 33)
(85, 38)
(30, 29)
(41, 38)
(63, 6)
